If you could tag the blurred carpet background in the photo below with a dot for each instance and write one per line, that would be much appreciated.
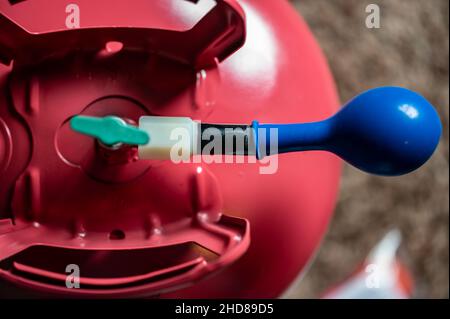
(411, 50)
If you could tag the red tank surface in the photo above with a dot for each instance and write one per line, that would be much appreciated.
(147, 228)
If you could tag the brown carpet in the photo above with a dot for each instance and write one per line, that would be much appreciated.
(411, 50)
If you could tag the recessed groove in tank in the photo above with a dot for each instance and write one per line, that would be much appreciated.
(47, 264)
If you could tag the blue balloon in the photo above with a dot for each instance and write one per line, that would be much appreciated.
(386, 131)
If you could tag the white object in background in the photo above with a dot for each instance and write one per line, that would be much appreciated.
(380, 278)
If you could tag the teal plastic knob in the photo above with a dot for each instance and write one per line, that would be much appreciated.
(109, 130)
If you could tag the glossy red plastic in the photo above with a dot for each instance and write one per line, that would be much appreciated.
(143, 228)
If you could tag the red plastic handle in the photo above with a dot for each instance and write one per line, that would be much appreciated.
(148, 271)
(216, 35)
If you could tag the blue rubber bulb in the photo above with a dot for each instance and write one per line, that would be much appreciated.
(386, 131)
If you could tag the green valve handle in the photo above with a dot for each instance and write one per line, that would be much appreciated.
(110, 130)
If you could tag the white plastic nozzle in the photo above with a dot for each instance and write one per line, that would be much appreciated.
(170, 137)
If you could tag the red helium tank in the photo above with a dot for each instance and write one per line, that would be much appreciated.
(153, 228)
